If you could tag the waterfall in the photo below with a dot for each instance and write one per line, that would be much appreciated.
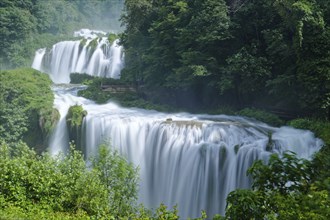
(65, 97)
(93, 54)
(190, 160)
(37, 62)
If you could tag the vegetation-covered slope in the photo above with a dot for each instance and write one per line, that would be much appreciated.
(26, 106)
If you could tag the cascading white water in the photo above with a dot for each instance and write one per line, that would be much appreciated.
(37, 62)
(193, 161)
(65, 96)
(93, 55)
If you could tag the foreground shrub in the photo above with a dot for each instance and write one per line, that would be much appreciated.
(32, 183)
(282, 189)
(120, 179)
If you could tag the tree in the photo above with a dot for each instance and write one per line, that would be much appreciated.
(17, 26)
(120, 179)
(245, 74)
(35, 186)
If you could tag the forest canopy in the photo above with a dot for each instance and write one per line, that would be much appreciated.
(265, 53)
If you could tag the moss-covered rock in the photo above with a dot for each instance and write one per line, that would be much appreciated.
(270, 143)
(74, 120)
(93, 44)
(79, 78)
(82, 43)
(112, 37)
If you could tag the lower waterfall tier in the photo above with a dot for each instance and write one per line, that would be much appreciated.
(193, 161)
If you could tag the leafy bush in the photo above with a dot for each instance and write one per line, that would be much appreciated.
(112, 37)
(64, 186)
(80, 78)
(120, 179)
(282, 189)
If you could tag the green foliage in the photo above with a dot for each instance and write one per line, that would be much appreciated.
(75, 116)
(12, 211)
(12, 128)
(261, 116)
(93, 44)
(26, 106)
(284, 175)
(245, 74)
(58, 184)
(74, 121)
(243, 53)
(171, 43)
(282, 189)
(17, 25)
(120, 179)
(112, 37)
(296, 14)
(163, 214)
(320, 128)
(48, 120)
(321, 160)
(94, 92)
(78, 78)
(246, 204)
(63, 187)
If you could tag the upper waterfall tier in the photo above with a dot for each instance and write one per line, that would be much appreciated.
(93, 54)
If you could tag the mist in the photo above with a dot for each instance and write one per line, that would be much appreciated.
(101, 15)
